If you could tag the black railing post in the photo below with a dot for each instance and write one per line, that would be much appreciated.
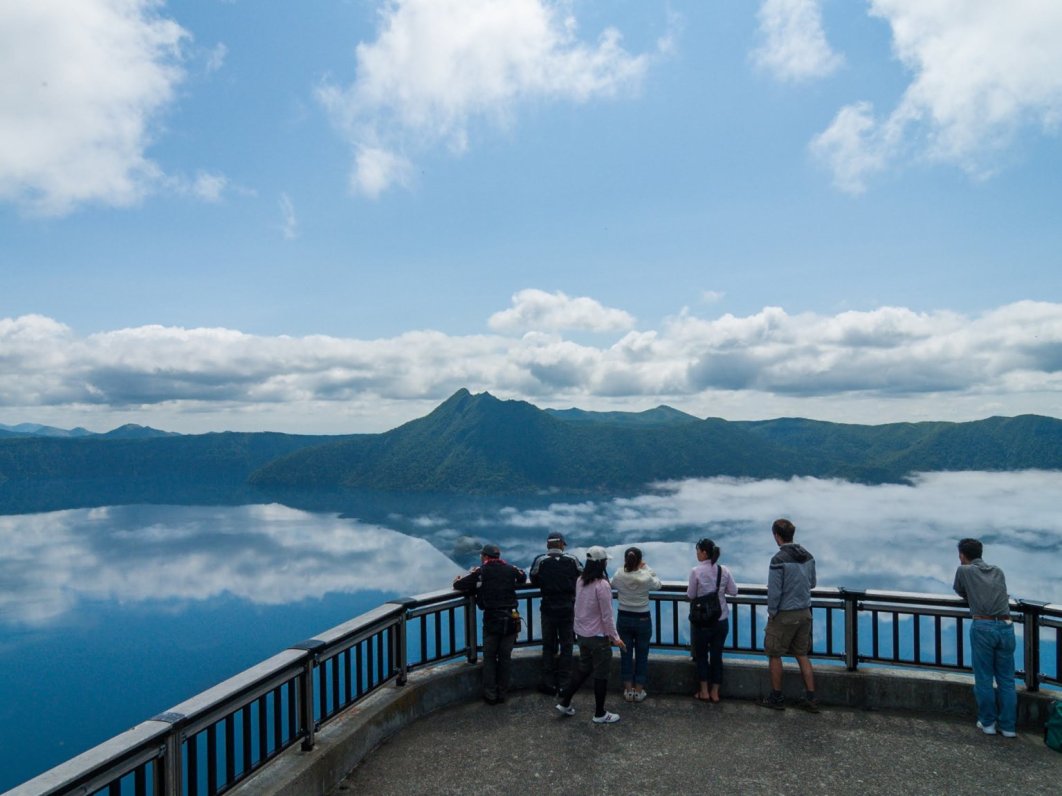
(168, 765)
(851, 627)
(471, 629)
(1030, 610)
(309, 726)
(400, 653)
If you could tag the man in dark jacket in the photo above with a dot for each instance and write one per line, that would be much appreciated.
(789, 583)
(984, 588)
(494, 583)
(554, 573)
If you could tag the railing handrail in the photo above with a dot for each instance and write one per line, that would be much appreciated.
(160, 738)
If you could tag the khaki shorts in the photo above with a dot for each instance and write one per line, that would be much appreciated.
(788, 633)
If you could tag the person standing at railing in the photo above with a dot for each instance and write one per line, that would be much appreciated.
(710, 577)
(555, 573)
(596, 633)
(633, 584)
(790, 579)
(984, 587)
(494, 583)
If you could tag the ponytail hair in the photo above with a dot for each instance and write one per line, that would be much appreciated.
(632, 559)
(710, 549)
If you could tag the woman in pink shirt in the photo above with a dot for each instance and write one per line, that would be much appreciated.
(595, 633)
(710, 577)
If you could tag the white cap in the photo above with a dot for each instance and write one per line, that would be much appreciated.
(597, 553)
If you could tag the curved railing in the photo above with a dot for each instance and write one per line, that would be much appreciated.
(218, 738)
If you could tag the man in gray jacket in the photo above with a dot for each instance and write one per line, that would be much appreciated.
(789, 583)
(984, 588)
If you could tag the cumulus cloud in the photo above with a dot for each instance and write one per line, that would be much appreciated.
(981, 72)
(794, 46)
(80, 87)
(991, 361)
(438, 66)
(537, 310)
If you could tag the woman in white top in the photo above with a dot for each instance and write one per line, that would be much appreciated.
(633, 622)
(705, 579)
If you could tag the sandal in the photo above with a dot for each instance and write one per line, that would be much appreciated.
(700, 698)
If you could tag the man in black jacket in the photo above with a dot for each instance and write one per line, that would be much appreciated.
(554, 573)
(494, 583)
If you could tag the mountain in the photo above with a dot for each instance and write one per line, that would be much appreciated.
(660, 416)
(478, 444)
(133, 431)
(37, 430)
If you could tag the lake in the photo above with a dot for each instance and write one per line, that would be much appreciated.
(111, 615)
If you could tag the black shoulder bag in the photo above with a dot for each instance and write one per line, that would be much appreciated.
(706, 609)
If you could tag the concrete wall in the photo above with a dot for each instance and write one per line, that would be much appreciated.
(345, 741)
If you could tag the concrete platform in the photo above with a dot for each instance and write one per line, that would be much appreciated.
(881, 731)
(673, 745)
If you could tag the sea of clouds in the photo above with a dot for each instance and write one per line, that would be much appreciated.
(886, 537)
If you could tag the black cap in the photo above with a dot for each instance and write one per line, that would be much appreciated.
(555, 536)
(490, 551)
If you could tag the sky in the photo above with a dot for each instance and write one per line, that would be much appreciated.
(327, 217)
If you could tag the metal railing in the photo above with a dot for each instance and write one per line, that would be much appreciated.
(216, 739)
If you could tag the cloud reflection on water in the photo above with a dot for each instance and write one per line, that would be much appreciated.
(267, 554)
(889, 536)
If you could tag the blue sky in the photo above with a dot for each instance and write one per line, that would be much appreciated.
(327, 216)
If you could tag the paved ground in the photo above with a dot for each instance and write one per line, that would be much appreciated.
(673, 745)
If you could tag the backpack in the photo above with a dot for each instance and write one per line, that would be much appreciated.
(1053, 726)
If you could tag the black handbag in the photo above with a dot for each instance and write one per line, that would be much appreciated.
(706, 610)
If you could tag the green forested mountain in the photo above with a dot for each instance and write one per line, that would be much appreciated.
(477, 444)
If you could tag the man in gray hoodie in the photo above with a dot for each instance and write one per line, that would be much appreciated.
(789, 583)
(984, 588)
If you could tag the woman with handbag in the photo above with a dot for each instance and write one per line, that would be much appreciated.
(595, 633)
(633, 584)
(709, 617)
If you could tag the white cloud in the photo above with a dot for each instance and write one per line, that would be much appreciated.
(209, 187)
(794, 44)
(437, 66)
(216, 57)
(80, 86)
(712, 296)
(884, 364)
(982, 71)
(537, 310)
(289, 224)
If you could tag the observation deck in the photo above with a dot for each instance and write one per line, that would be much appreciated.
(891, 671)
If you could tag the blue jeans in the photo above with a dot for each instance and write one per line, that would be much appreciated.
(635, 629)
(992, 644)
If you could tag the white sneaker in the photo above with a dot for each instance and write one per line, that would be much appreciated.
(628, 694)
(639, 696)
(987, 729)
(608, 718)
(1008, 733)
(565, 711)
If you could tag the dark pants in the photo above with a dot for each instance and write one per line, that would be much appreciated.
(497, 655)
(595, 655)
(558, 636)
(710, 640)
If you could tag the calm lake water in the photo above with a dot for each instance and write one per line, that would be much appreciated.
(111, 615)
